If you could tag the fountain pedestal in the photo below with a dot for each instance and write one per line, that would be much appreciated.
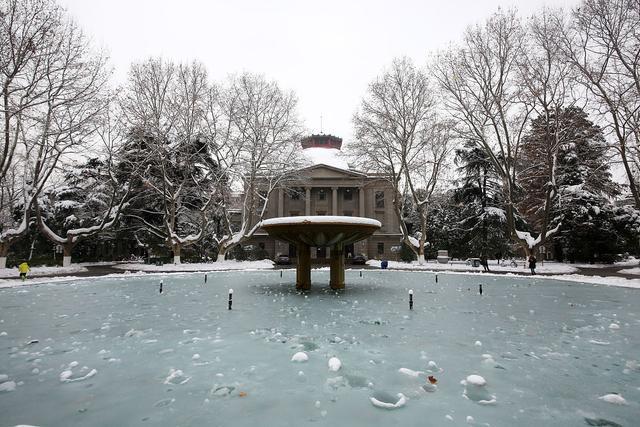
(328, 231)
(336, 267)
(303, 269)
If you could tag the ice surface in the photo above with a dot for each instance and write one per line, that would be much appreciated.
(538, 353)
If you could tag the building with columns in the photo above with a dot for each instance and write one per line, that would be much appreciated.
(329, 186)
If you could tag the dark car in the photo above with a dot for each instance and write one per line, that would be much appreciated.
(282, 259)
(359, 259)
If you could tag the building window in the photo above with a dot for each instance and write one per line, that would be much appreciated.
(379, 199)
(380, 248)
(348, 194)
(261, 245)
(322, 195)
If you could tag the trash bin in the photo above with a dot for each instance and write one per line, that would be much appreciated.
(384, 264)
(476, 262)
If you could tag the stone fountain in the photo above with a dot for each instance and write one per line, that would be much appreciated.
(329, 231)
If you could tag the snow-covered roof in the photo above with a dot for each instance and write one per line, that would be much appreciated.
(326, 156)
(322, 219)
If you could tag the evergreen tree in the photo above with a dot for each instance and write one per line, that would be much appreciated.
(582, 181)
(482, 221)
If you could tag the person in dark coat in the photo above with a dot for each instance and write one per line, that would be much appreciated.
(485, 262)
(532, 264)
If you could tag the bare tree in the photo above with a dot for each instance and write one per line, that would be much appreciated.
(165, 107)
(546, 79)
(25, 42)
(257, 146)
(604, 47)
(399, 137)
(98, 194)
(490, 106)
(424, 177)
(52, 92)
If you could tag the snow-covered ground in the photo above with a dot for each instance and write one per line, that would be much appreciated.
(555, 270)
(8, 273)
(548, 267)
(211, 266)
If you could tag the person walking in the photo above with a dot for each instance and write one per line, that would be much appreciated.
(532, 264)
(23, 269)
(485, 262)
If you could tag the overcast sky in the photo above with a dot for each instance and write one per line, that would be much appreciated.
(326, 51)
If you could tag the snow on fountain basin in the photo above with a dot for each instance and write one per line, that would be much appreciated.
(139, 357)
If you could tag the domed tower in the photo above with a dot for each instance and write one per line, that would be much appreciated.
(322, 141)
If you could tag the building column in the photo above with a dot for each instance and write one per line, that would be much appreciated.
(334, 200)
(307, 201)
(280, 202)
(361, 211)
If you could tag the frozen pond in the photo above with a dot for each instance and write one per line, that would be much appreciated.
(116, 352)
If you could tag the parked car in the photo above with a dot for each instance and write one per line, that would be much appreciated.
(359, 259)
(282, 259)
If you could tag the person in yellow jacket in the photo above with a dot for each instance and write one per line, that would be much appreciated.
(24, 269)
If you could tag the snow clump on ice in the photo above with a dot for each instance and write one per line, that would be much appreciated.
(475, 389)
(614, 399)
(387, 401)
(176, 377)
(334, 364)
(300, 356)
(410, 372)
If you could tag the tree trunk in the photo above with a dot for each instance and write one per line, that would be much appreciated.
(176, 253)
(4, 251)
(222, 251)
(66, 254)
(421, 254)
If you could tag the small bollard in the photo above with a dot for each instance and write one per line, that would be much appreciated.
(410, 299)
(205, 277)
(230, 298)
(436, 277)
(480, 288)
(160, 286)
(280, 273)
(360, 273)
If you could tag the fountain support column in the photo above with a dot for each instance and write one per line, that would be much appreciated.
(303, 269)
(336, 273)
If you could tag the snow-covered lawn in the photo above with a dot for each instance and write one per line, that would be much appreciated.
(9, 273)
(548, 267)
(210, 266)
